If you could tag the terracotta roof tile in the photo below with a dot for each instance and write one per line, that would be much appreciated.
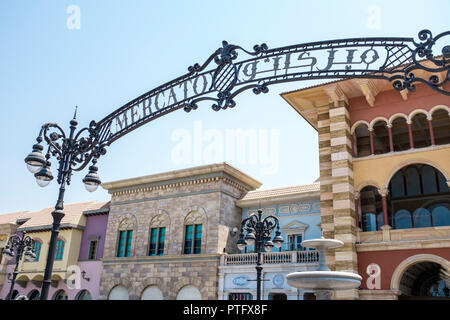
(73, 214)
(13, 217)
(278, 192)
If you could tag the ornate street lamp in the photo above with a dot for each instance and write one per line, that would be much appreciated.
(258, 232)
(18, 245)
(73, 152)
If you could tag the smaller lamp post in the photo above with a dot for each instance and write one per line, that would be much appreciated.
(18, 246)
(258, 232)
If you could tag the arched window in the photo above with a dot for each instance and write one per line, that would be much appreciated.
(193, 225)
(59, 250)
(34, 295)
(119, 293)
(152, 293)
(402, 219)
(125, 237)
(415, 192)
(158, 227)
(362, 140)
(371, 209)
(412, 181)
(400, 134)
(441, 126)
(84, 295)
(420, 131)
(422, 218)
(37, 249)
(189, 292)
(381, 137)
(441, 214)
(60, 295)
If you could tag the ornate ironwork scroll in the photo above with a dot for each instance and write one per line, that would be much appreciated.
(223, 76)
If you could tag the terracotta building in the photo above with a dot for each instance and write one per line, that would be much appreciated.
(384, 184)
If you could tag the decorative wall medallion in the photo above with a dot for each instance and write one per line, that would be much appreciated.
(304, 207)
(316, 206)
(283, 210)
(240, 281)
(278, 280)
(294, 208)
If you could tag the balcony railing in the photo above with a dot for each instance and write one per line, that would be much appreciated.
(283, 257)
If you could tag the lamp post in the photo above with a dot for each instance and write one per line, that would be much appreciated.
(73, 153)
(17, 246)
(258, 232)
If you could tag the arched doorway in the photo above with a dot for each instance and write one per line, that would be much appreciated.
(60, 295)
(152, 293)
(84, 295)
(425, 280)
(34, 295)
(189, 292)
(119, 293)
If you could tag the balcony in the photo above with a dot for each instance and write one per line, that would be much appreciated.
(283, 257)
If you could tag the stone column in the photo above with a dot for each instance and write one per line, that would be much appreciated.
(384, 192)
(391, 140)
(326, 182)
(430, 127)
(372, 147)
(342, 192)
(356, 195)
(411, 140)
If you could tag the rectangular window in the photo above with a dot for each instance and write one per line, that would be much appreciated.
(193, 239)
(59, 251)
(92, 255)
(161, 238)
(295, 242)
(198, 239)
(37, 250)
(124, 245)
(157, 238)
(188, 240)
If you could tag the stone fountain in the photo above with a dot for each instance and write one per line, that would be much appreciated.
(323, 281)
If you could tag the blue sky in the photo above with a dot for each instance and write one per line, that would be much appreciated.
(125, 48)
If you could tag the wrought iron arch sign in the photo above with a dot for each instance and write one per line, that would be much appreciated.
(220, 79)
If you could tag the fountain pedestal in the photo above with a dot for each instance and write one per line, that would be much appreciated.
(323, 281)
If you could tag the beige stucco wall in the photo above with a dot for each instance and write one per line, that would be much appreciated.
(378, 170)
(35, 270)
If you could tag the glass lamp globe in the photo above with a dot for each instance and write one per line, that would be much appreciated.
(250, 239)
(278, 240)
(268, 246)
(7, 253)
(241, 242)
(35, 160)
(91, 180)
(44, 176)
(33, 169)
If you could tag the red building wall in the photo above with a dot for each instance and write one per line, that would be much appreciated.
(390, 102)
(389, 260)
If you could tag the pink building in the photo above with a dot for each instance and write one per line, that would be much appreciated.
(77, 268)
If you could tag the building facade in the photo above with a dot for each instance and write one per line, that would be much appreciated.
(384, 184)
(297, 209)
(79, 250)
(166, 232)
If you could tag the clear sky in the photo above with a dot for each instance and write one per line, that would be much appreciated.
(125, 48)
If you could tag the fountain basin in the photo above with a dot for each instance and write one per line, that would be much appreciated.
(324, 280)
(322, 243)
